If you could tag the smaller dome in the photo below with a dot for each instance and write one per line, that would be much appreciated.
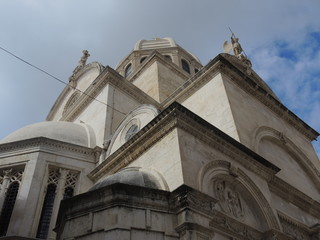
(131, 176)
(75, 133)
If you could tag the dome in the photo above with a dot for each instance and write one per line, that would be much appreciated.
(75, 133)
(155, 43)
(131, 176)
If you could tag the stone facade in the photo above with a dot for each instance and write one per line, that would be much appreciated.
(162, 148)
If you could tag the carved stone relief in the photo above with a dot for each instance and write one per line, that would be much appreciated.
(229, 199)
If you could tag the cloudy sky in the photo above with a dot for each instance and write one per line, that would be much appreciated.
(282, 39)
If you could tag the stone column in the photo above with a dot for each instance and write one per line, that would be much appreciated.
(57, 200)
(4, 186)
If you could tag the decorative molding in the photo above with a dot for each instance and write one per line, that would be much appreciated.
(69, 88)
(108, 76)
(136, 146)
(186, 197)
(168, 50)
(156, 56)
(14, 174)
(71, 101)
(296, 197)
(124, 125)
(233, 227)
(47, 145)
(252, 84)
(291, 148)
(293, 228)
(178, 117)
(195, 82)
(220, 170)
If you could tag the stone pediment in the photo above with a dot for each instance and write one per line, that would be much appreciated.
(108, 76)
(81, 81)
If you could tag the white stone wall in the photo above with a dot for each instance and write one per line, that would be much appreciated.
(211, 103)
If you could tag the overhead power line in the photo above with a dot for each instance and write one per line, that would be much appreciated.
(57, 79)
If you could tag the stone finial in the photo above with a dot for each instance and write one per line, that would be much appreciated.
(81, 64)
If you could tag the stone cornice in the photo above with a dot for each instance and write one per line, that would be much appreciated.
(194, 83)
(186, 197)
(173, 117)
(116, 195)
(249, 83)
(240, 230)
(293, 195)
(47, 145)
(108, 76)
(157, 57)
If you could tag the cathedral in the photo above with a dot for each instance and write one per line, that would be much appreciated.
(162, 147)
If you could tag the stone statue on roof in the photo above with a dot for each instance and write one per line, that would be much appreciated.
(238, 51)
(81, 64)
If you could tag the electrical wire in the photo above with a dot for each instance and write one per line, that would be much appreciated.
(57, 79)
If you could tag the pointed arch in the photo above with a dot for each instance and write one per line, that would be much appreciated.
(224, 170)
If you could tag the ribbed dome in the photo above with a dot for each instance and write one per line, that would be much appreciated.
(155, 43)
(75, 133)
(131, 176)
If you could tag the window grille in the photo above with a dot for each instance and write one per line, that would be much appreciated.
(185, 65)
(46, 212)
(70, 184)
(7, 208)
(56, 181)
(128, 70)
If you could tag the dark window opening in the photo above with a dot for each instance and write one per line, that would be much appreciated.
(168, 57)
(46, 212)
(68, 193)
(185, 65)
(128, 70)
(7, 207)
(142, 59)
(196, 70)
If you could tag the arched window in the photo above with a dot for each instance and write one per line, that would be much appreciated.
(142, 59)
(7, 208)
(168, 57)
(46, 212)
(185, 65)
(128, 70)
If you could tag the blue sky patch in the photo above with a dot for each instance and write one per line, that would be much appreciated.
(284, 51)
